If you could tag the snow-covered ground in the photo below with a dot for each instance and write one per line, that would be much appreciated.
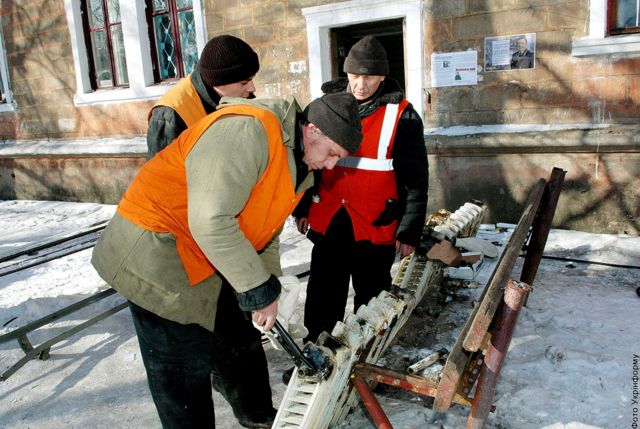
(570, 365)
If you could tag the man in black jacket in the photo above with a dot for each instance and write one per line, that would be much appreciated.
(227, 67)
(372, 204)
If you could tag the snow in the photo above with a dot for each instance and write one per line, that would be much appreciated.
(100, 146)
(463, 130)
(570, 363)
(137, 145)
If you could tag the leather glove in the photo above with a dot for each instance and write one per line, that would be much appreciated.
(388, 215)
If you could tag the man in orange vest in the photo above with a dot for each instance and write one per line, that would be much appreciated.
(226, 68)
(373, 203)
(194, 248)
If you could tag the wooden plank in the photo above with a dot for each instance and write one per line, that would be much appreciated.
(502, 274)
(452, 371)
(478, 322)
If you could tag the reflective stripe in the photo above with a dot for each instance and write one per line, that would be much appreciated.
(388, 124)
(366, 163)
(382, 163)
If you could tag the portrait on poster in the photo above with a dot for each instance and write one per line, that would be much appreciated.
(513, 52)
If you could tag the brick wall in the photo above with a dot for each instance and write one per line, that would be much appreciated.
(277, 31)
(561, 88)
(602, 194)
(36, 38)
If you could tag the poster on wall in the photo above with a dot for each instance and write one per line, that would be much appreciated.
(513, 52)
(454, 69)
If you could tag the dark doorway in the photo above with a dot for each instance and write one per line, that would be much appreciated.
(388, 32)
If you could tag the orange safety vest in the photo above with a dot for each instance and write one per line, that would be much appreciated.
(362, 183)
(184, 99)
(156, 200)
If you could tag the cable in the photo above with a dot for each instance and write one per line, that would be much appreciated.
(586, 261)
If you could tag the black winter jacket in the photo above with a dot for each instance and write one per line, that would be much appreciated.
(409, 161)
(166, 125)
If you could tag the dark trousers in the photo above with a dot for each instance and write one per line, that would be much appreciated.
(336, 257)
(184, 361)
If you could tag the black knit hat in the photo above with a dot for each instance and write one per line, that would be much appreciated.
(337, 117)
(227, 59)
(368, 57)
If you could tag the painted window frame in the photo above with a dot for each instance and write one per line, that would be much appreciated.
(107, 26)
(172, 10)
(142, 84)
(612, 17)
(321, 19)
(7, 105)
(598, 42)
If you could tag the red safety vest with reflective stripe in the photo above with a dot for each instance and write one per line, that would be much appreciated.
(156, 200)
(362, 183)
(184, 99)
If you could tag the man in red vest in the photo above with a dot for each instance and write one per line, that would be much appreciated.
(194, 248)
(373, 202)
(226, 68)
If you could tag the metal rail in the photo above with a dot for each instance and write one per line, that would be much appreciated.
(47, 250)
(50, 242)
(55, 247)
(42, 351)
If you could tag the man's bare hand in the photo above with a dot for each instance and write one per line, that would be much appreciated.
(265, 317)
(404, 249)
(302, 224)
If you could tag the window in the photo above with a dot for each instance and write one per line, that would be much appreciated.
(105, 43)
(174, 38)
(127, 55)
(5, 93)
(323, 20)
(624, 17)
(601, 40)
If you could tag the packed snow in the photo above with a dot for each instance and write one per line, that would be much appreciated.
(571, 363)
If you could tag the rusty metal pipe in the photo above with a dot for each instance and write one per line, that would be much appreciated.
(515, 295)
(542, 226)
(376, 412)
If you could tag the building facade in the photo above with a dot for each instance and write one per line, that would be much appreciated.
(507, 89)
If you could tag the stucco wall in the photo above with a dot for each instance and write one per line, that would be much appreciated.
(602, 184)
(62, 178)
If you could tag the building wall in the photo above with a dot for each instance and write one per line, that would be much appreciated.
(84, 178)
(499, 167)
(277, 31)
(36, 39)
(561, 89)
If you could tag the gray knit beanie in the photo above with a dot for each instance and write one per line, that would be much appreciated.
(227, 59)
(367, 57)
(337, 117)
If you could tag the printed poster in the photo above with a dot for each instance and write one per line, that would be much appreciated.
(454, 69)
(510, 52)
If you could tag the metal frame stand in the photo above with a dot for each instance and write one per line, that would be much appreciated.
(481, 348)
(41, 351)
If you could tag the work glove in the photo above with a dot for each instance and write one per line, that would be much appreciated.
(388, 215)
(287, 316)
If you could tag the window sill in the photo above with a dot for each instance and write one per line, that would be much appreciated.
(587, 46)
(121, 95)
(7, 107)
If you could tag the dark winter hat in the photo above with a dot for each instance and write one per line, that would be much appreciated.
(337, 117)
(227, 59)
(368, 57)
